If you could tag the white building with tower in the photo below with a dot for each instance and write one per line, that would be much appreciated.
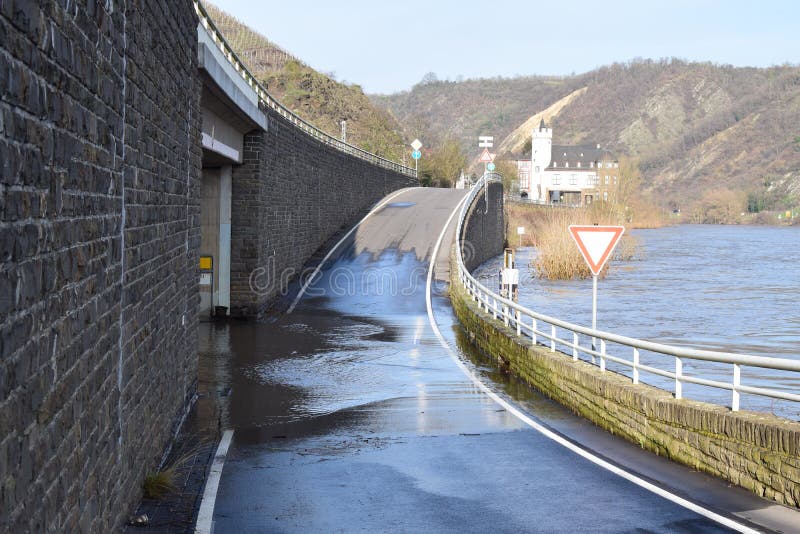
(564, 174)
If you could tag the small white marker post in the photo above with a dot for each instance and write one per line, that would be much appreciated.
(520, 231)
(596, 243)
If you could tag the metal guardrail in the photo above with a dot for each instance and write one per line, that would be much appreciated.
(267, 100)
(528, 323)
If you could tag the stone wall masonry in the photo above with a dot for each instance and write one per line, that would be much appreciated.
(754, 450)
(484, 233)
(99, 232)
(290, 195)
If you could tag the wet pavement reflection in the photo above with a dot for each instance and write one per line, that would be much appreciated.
(349, 416)
(320, 369)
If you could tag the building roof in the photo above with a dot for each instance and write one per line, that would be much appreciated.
(586, 155)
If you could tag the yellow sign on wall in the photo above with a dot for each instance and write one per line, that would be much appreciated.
(206, 263)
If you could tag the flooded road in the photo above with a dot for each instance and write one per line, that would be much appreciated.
(350, 416)
(726, 288)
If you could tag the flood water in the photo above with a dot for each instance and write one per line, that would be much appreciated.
(727, 288)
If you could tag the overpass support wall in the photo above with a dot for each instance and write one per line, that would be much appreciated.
(757, 451)
(290, 195)
(99, 233)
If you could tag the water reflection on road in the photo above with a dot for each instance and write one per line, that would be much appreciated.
(349, 416)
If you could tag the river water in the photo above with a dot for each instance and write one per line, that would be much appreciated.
(727, 288)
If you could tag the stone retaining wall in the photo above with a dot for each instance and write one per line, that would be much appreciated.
(757, 451)
(99, 195)
(290, 195)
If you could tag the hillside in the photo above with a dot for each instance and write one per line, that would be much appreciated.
(434, 110)
(696, 128)
(312, 95)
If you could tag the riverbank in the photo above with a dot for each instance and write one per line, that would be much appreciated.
(545, 227)
(753, 450)
(763, 218)
(691, 288)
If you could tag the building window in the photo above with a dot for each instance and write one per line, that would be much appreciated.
(573, 179)
(556, 179)
(615, 180)
(606, 179)
(605, 195)
(537, 169)
(579, 164)
(555, 164)
(566, 165)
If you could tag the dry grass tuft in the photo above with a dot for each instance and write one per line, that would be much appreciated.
(165, 481)
(158, 484)
(546, 228)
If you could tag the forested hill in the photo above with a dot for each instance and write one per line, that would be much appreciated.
(697, 128)
(314, 96)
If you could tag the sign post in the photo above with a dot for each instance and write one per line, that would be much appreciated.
(520, 232)
(416, 154)
(596, 243)
(486, 142)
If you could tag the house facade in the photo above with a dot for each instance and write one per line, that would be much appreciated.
(563, 174)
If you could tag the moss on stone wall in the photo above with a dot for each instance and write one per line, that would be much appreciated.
(754, 450)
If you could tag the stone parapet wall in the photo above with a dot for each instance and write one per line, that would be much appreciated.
(484, 231)
(754, 450)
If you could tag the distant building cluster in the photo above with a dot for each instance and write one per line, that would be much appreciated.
(561, 174)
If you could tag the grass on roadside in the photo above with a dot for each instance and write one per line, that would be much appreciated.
(165, 481)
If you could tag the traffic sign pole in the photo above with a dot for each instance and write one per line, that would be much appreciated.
(416, 145)
(596, 243)
(594, 312)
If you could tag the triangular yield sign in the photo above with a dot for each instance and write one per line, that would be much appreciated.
(486, 157)
(596, 243)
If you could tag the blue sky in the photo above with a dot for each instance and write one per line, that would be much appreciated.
(387, 46)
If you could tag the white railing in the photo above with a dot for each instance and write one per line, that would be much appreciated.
(268, 101)
(536, 326)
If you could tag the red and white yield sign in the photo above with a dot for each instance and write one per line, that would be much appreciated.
(486, 157)
(596, 243)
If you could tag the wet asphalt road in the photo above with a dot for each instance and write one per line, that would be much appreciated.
(349, 415)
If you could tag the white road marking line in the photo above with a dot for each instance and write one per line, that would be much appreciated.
(730, 523)
(205, 515)
(332, 250)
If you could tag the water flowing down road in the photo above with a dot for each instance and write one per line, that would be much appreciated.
(349, 414)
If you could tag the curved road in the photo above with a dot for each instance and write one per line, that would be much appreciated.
(350, 416)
